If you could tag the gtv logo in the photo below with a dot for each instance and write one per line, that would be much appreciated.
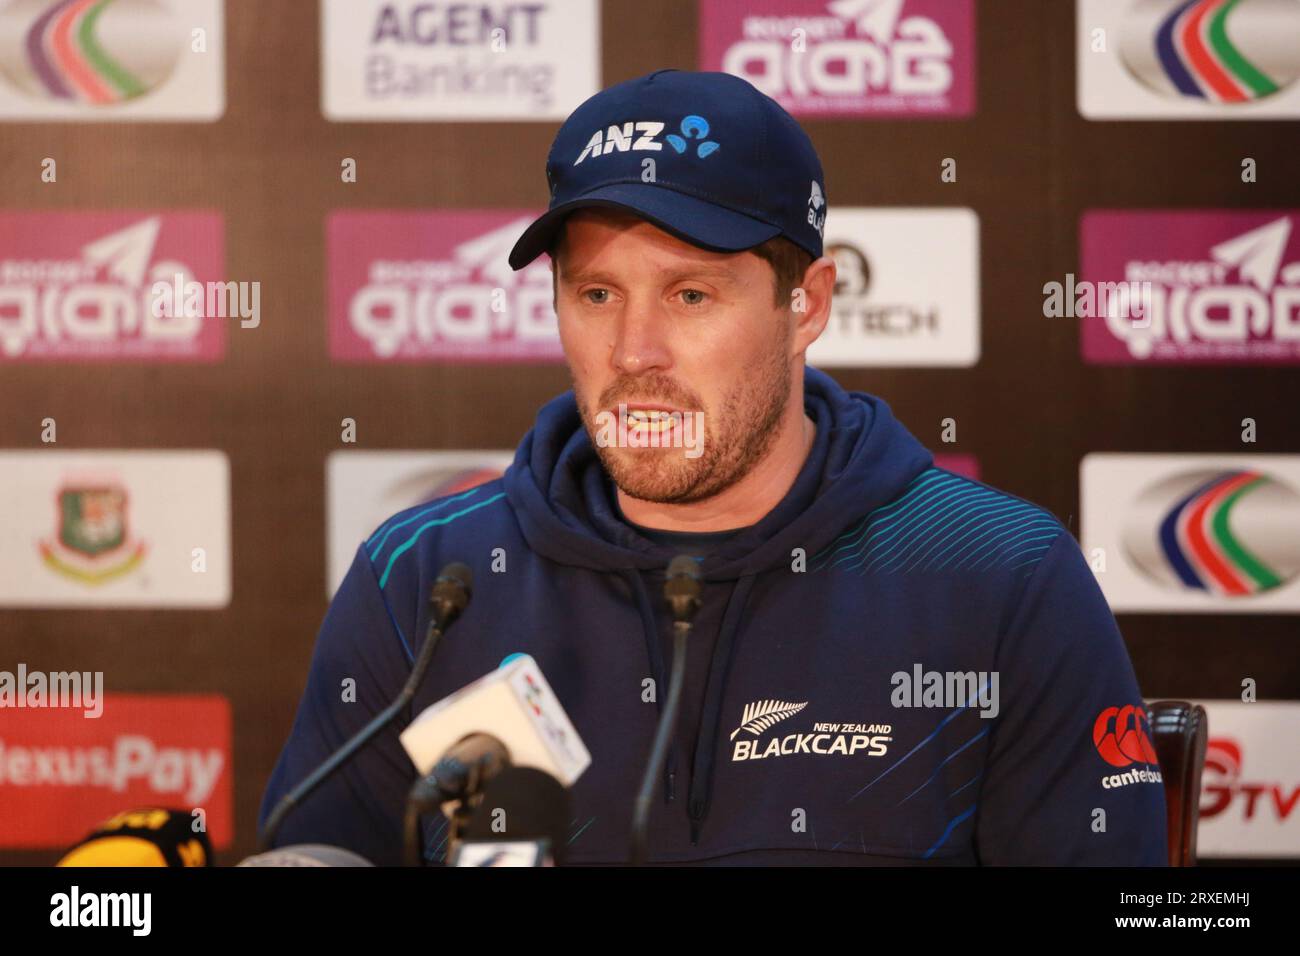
(643, 136)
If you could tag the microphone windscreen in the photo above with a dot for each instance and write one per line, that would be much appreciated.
(451, 593)
(521, 803)
(459, 573)
(146, 837)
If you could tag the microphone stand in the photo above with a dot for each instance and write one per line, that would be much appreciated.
(451, 594)
(682, 592)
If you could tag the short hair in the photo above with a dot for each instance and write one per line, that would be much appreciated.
(789, 264)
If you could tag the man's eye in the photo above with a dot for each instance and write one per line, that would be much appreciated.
(597, 296)
(693, 296)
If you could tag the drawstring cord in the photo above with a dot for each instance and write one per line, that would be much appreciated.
(706, 738)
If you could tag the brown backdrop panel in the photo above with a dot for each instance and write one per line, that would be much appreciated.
(1027, 163)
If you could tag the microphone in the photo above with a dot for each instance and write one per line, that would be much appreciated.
(507, 717)
(682, 589)
(682, 594)
(459, 776)
(307, 854)
(145, 837)
(466, 767)
(449, 597)
(520, 821)
(513, 703)
(452, 589)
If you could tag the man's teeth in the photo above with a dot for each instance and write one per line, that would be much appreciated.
(650, 420)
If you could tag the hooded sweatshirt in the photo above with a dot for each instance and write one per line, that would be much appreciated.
(895, 666)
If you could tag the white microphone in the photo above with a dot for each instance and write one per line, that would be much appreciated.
(307, 854)
(515, 705)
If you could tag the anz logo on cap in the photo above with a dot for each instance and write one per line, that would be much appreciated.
(643, 135)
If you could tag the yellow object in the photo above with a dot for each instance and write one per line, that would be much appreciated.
(115, 851)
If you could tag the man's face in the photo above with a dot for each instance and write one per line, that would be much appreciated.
(661, 326)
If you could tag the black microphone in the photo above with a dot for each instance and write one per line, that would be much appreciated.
(468, 765)
(460, 775)
(449, 597)
(682, 592)
(451, 592)
(682, 589)
(521, 820)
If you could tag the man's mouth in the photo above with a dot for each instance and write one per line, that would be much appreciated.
(651, 419)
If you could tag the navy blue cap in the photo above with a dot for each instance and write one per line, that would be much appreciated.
(730, 168)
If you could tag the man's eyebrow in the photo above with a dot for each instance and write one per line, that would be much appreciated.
(575, 276)
(702, 270)
(694, 271)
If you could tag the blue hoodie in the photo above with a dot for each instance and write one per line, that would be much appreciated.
(828, 714)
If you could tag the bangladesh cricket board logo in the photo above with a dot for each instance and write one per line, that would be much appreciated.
(1233, 533)
(1218, 51)
(93, 544)
(93, 52)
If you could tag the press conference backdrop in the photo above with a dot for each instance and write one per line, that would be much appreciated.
(180, 491)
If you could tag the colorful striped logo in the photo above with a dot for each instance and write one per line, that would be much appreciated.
(96, 52)
(1221, 51)
(1223, 532)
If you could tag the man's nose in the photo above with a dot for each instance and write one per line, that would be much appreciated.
(641, 344)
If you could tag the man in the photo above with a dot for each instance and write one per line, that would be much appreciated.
(891, 664)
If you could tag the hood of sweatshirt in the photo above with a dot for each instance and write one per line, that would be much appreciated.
(861, 458)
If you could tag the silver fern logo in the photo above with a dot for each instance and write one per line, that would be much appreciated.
(762, 714)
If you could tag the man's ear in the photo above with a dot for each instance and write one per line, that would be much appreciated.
(810, 302)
